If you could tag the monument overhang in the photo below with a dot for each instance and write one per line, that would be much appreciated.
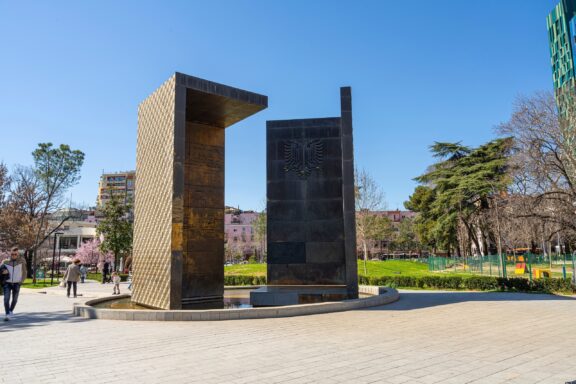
(216, 104)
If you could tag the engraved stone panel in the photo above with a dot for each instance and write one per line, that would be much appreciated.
(311, 226)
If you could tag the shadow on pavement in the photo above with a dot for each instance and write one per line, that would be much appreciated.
(425, 299)
(24, 320)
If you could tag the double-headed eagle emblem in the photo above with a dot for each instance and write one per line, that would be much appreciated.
(303, 156)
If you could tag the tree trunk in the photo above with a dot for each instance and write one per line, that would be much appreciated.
(365, 248)
(472, 236)
(28, 258)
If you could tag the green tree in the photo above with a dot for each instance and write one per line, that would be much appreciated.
(260, 233)
(381, 230)
(406, 237)
(116, 228)
(459, 189)
(369, 200)
(426, 221)
(56, 169)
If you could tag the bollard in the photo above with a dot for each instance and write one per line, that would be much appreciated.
(530, 266)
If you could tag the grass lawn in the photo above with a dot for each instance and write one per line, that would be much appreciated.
(375, 269)
(94, 276)
(246, 269)
(39, 283)
(393, 268)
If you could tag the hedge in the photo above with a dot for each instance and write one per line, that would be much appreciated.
(476, 283)
(244, 280)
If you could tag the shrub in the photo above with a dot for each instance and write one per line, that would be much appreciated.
(477, 283)
(244, 280)
(481, 283)
(553, 285)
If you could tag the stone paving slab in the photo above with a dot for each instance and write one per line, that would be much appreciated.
(425, 337)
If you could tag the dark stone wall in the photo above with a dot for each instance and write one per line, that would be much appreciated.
(349, 203)
(203, 254)
(308, 202)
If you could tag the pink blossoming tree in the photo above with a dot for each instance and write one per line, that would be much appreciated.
(89, 253)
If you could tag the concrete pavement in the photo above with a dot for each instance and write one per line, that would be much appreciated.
(426, 337)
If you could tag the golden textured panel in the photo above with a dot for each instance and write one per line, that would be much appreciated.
(154, 198)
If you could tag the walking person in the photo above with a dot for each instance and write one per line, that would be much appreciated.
(15, 268)
(105, 271)
(72, 276)
(83, 273)
(116, 280)
(130, 280)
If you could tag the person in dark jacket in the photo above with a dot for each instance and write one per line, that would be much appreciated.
(105, 272)
(4, 275)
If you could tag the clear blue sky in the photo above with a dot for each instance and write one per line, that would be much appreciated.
(421, 71)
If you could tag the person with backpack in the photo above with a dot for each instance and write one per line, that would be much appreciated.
(15, 269)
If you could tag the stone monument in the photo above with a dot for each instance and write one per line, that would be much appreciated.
(179, 198)
(310, 210)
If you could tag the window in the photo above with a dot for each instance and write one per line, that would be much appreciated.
(68, 242)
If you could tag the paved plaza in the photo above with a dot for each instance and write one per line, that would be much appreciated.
(426, 337)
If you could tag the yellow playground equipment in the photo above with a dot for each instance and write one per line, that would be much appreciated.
(520, 268)
(540, 273)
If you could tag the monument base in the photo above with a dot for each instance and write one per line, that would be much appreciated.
(210, 302)
(279, 295)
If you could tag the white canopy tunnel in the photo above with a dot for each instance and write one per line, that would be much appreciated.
(63, 259)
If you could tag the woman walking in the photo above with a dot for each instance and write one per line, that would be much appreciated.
(72, 276)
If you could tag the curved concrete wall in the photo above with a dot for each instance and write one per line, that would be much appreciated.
(381, 296)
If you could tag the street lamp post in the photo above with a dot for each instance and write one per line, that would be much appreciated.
(573, 268)
(54, 256)
(502, 261)
(59, 252)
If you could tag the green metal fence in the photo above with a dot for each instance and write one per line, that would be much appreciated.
(526, 265)
(436, 263)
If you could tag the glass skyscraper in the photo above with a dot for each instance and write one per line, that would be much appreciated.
(561, 24)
